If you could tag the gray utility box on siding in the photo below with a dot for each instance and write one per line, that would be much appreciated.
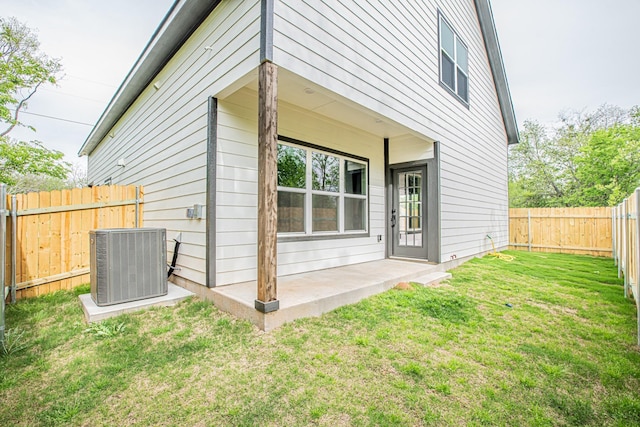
(128, 264)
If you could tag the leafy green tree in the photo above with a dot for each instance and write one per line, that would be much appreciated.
(23, 69)
(590, 159)
(536, 168)
(291, 167)
(608, 166)
(19, 158)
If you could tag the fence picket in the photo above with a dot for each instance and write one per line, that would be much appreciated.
(566, 230)
(56, 240)
(53, 247)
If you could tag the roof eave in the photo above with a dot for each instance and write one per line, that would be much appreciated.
(182, 19)
(488, 28)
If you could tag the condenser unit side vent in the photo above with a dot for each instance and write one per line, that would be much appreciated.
(128, 264)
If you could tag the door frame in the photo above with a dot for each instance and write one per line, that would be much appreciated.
(408, 251)
(431, 205)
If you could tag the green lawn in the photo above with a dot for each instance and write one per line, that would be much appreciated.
(544, 340)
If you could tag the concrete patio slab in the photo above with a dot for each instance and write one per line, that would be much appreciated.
(94, 313)
(314, 293)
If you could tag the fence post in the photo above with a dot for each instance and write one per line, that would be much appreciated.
(619, 239)
(137, 225)
(625, 221)
(529, 228)
(14, 244)
(3, 249)
(613, 236)
(637, 260)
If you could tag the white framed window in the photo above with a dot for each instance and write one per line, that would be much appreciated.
(320, 191)
(454, 61)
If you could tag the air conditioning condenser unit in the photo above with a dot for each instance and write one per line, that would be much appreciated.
(127, 264)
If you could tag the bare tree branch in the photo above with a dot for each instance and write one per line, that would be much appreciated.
(20, 105)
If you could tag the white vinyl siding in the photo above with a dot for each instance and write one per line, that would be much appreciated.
(237, 191)
(163, 135)
(380, 55)
(385, 56)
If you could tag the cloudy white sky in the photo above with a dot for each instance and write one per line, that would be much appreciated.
(98, 42)
(559, 55)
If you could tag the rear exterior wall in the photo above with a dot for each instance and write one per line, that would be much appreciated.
(385, 56)
(382, 55)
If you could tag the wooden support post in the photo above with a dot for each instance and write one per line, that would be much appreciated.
(267, 300)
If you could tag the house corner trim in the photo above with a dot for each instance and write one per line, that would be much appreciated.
(266, 31)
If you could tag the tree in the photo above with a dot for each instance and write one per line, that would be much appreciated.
(25, 166)
(608, 166)
(590, 159)
(291, 167)
(76, 178)
(32, 159)
(23, 69)
(537, 167)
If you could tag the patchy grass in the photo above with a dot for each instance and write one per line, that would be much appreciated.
(544, 340)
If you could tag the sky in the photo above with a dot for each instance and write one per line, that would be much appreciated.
(569, 55)
(559, 55)
(98, 42)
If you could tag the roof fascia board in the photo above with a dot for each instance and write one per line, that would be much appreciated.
(180, 22)
(490, 36)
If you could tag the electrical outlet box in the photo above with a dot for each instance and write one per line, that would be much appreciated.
(196, 212)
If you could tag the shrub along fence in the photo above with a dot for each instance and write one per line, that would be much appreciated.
(47, 234)
(583, 231)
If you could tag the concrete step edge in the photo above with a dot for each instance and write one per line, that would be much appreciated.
(432, 278)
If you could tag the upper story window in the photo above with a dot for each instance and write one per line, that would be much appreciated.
(454, 62)
(320, 192)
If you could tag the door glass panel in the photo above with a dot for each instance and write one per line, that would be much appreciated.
(410, 209)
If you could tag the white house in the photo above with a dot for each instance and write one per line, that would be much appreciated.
(315, 134)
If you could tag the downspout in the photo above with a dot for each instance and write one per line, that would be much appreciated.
(388, 200)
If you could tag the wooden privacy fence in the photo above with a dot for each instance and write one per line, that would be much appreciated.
(585, 231)
(626, 246)
(50, 231)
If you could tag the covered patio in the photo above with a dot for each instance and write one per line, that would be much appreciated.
(314, 293)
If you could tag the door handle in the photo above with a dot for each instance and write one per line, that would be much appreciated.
(393, 218)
